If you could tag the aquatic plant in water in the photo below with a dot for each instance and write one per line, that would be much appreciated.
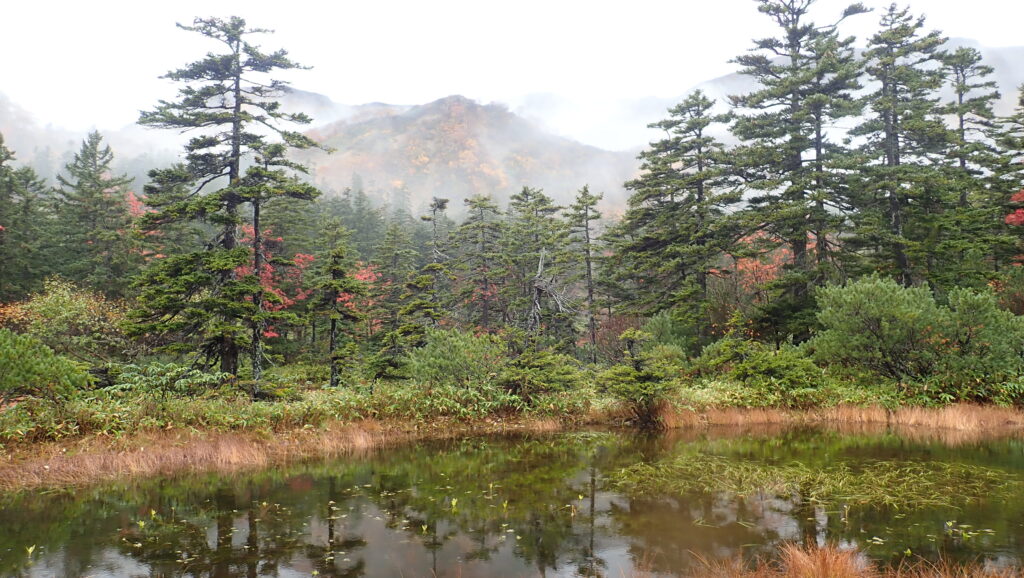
(889, 483)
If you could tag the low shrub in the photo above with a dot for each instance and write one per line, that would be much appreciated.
(456, 358)
(537, 372)
(74, 322)
(165, 379)
(644, 382)
(29, 367)
(776, 377)
(966, 350)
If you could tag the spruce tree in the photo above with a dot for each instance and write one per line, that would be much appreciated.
(337, 287)
(428, 291)
(535, 257)
(477, 261)
(971, 232)
(805, 75)
(673, 231)
(395, 262)
(902, 195)
(98, 247)
(229, 101)
(264, 182)
(581, 215)
(27, 229)
(1008, 135)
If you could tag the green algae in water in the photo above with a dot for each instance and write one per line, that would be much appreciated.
(893, 484)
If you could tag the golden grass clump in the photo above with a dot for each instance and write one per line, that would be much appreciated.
(830, 561)
(92, 460)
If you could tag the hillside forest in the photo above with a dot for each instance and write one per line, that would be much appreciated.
(847, 232)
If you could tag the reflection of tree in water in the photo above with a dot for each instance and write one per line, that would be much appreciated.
(331, 559)
(584, 555)
(528, 505)
(176, 542)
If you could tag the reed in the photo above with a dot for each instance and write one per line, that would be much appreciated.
(92, 460)
(972, 422)
(796, 561)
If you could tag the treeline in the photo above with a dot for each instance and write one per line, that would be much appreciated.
(848, 168)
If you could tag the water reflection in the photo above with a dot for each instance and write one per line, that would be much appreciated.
(526, 506)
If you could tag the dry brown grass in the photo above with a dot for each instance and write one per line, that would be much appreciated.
(955, 424)
(797, 561)
(92, 460)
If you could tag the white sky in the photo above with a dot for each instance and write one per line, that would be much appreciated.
(81, 64)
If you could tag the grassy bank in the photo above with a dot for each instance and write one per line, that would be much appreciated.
(816, 562)
(97, 439)
(92, 459)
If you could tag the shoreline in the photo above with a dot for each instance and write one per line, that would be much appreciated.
(96, 459)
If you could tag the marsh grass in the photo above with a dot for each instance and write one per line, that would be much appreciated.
(163, 453)
(962, 423)
(830, 561)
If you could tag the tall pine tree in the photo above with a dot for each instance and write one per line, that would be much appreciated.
(673, 231)
(902, 195)
(229, 101)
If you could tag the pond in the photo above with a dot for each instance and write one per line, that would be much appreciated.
(591, 503)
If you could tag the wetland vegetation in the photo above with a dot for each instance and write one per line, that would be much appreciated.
(233, 313)
(586, 503)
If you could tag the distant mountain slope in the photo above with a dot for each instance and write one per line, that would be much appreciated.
(456, 148)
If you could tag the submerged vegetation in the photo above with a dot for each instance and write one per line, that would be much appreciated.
(895, 484)
(516, 505)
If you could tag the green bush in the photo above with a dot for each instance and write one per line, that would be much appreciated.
(755, 363)
(644, 382)
(878, 324)
(665, 329)
(536, 372)
(74, 322)
(451, 357)
(985, 343)
(781, 376)
(969, 349)
(300, 374)
(29, 367)
(164, 379)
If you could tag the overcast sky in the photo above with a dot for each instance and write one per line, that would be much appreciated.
(568, 63)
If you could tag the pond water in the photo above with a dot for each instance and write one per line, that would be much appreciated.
(571, 504)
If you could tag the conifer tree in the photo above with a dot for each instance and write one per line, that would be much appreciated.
(971, 109)
(970, 230)
(264, 182)
(228, 101)
(534, 254)
(476, 254)
(673, 231)
(337, 288)
(93, 205)
(902, 194)
(424, 300)
(1008, 135)
(582, 213)
(27, 240)
(395, 262)
(806, 75)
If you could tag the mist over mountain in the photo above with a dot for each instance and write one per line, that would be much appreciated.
(453, 147)
(1008, 74)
